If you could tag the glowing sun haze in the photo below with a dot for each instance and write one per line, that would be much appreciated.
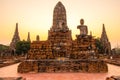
(35, 16)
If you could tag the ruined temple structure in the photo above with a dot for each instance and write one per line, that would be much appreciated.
(59, 53)
(15, 38)
(105, 42)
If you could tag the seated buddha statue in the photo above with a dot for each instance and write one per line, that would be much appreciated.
(83, 28)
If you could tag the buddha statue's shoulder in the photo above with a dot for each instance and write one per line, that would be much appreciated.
(81, 26)
(78, 26)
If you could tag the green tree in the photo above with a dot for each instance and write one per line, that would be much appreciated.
(99, 45)
(117, 51)
(3, 47)
(22, 47)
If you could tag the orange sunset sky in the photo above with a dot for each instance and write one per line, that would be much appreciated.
(35, 16)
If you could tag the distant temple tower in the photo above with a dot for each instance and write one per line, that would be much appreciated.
(37, 38)
(28, 38)
(15, 38)
(105, 42)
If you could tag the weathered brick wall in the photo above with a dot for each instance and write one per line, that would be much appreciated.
(63, 66)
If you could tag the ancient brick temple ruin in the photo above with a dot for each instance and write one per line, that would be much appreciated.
(59, 53)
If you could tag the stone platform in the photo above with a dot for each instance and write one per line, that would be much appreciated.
(51, 65)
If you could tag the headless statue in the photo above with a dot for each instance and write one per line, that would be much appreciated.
(83, 28)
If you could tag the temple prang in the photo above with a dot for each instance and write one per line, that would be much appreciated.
(15, 39)
(105, 42)
(28, 38)
(60, 53)
(59, 16)
(60, 35)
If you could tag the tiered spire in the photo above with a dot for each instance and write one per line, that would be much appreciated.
(105, 41)
(15, 38)
(37, 38)
(104, 37)
(28, 38)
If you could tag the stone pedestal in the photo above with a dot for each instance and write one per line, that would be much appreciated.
(76, 65)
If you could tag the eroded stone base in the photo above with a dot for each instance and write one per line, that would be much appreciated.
(62, 66)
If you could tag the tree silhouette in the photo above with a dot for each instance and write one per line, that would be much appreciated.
(22, 47)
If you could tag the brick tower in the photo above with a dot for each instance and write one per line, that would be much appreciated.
(105, 42)
(28, 38)
(15, 38)
(60, 35)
